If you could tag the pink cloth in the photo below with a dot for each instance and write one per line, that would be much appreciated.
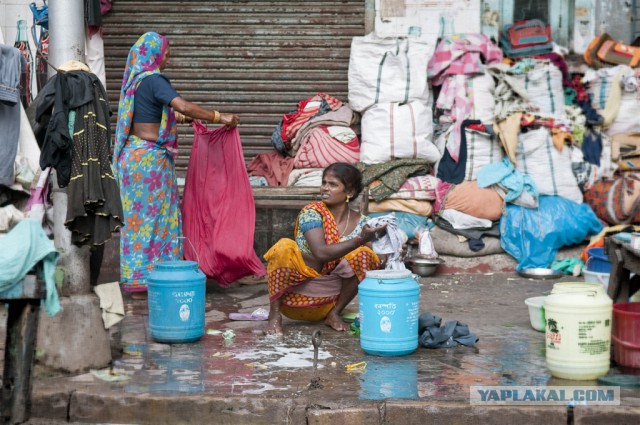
(218, 209)
(319, 150)
(441, 194)
(457, 58)
(273, 167)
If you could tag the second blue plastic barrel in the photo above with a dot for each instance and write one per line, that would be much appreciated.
(389, 306)
(177, 292)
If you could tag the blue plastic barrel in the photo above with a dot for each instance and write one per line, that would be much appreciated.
(177, 292)
(389, 305)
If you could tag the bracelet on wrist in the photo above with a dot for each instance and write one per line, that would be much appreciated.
(216, 117)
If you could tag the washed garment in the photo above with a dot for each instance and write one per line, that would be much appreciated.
(23, 247)
(391, 242)
(512, 180)
(392, 174)
(452, 334)
(218, 207)
(286, 269)
(10, 71)
(272, 166)
(411, 224)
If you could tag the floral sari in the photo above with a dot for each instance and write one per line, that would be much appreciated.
(300, 286)
(146, 175)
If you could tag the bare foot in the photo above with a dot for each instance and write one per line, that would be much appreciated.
(274, 327)
(335, 322)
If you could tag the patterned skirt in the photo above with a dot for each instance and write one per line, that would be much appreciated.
(150, 202)
(287, 271)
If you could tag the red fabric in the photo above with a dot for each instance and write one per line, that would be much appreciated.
(319, 150)
(218, 210)
(291, 123)
(272, 166)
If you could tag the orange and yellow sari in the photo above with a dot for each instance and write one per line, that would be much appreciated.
(300, 286)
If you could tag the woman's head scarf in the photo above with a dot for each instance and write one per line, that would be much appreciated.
(144, 59)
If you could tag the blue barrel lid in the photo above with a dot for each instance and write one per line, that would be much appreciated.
(176, 265)
(389, 274)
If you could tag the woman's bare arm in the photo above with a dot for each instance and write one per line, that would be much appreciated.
(194, 111)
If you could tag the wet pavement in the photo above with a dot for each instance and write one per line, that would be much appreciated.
(254, 378)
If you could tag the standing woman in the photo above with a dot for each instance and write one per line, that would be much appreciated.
(146, 145)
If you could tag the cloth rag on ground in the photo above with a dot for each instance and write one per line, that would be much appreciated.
(110, 303)
(218, 206)
(452, 334)
(22, 248)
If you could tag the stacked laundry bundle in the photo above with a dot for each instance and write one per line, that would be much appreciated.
(317, 133)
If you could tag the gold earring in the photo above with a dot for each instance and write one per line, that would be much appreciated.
(347, 199)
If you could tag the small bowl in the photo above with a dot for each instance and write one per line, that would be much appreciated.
(423, 267)
(536, 312)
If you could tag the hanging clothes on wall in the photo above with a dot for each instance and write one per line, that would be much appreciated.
(218, 207)
(77, 145)
(10, 63)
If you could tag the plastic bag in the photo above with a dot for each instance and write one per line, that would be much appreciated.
(426, 246)
(534, 235)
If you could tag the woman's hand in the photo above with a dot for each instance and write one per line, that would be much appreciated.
(230, 120)
(368, 233)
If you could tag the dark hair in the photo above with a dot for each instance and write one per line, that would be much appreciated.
(349, 175)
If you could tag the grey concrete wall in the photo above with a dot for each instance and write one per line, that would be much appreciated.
(616, 18)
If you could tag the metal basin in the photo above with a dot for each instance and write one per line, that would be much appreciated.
(423, 266)
(540, 273)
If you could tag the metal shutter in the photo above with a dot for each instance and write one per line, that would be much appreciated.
(255, 58)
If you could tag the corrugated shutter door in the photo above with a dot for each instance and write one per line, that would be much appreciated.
(253, 58)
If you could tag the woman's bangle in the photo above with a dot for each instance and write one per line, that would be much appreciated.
(216, 117)
(359, 240)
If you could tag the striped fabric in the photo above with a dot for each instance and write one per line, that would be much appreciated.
(307, 109)
(319, 150)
